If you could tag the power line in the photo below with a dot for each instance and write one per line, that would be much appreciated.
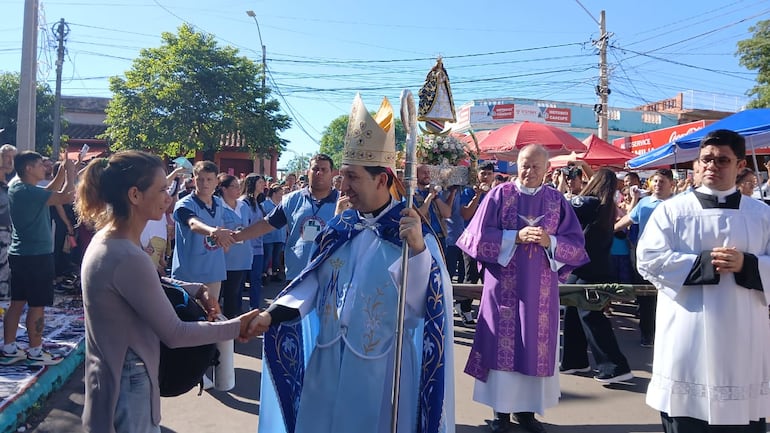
(168, 11)
(422, 59)
(675, 24)
(589, 13)
(113, 30)
(289, 108)
(623, 70)
(674, 62)
(743, 20)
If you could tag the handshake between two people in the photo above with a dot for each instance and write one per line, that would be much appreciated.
(253, 324)
(222, 237)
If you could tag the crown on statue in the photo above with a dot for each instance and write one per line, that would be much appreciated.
(370, 142)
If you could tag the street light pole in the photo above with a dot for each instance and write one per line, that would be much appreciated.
(27, 107)
(264, 66)
(61, 30)
(264, 73)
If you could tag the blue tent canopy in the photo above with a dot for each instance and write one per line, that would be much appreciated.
(754, 125)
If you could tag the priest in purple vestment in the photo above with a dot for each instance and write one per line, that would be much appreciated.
(529, 238)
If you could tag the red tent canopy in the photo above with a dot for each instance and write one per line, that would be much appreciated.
(505, 143)
(602, 153)
(468, 140)
(564, 160)
(480, 135)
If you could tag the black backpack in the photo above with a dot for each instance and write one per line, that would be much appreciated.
(183, 368)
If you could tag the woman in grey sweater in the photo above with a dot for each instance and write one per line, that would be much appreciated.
(127, 313)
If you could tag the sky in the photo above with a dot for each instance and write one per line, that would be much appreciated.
(321, 53)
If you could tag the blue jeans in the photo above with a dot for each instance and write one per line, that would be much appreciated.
(272, 256)
(455, 263)
(133, 413)
(255, 288)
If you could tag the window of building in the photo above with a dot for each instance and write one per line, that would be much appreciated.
(651, 117)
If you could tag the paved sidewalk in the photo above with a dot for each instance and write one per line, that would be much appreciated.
(586, 405)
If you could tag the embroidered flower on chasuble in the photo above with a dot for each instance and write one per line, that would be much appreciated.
(290, 347)
(427, 347)
(374, 314)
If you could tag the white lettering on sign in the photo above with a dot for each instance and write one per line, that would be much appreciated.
(503, 111)
(560, 115)
(676, 136)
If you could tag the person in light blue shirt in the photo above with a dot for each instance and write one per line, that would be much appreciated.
(428, 199)
(200, 234)
(274, 241)
(470, 198)
(238, 257)
(661, 186)
(252, 194)
(305, 212)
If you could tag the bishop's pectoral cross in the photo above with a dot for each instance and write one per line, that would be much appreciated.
(531, 221)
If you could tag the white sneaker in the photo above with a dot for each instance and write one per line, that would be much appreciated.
(207, 383)
(44, 358)
(10, 358)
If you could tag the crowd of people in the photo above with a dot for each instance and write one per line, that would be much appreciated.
(337, 240)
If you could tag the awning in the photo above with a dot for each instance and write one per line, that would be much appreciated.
(753, 125)
(602, 153)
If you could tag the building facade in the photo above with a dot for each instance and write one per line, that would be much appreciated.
(579, 120)
(84, 117)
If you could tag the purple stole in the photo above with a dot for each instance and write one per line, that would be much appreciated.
(518, 324)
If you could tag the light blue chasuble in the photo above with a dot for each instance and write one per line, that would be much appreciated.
(350, 300)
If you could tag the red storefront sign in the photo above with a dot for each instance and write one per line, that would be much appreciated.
(558, 115)
(502, 111)
(645, 142)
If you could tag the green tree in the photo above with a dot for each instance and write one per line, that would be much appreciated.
(333, 137)
(9, 107)
(189, 94)
(299, 164)
(755, 55)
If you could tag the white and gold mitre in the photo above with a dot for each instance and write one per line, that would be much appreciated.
(370, 142)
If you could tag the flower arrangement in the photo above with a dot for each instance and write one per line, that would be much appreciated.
(441, 150)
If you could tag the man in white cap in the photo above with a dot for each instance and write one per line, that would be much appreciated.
(347, 298)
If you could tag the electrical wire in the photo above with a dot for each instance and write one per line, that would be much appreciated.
(589, 13)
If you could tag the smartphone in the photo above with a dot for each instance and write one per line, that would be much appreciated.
(83, 152)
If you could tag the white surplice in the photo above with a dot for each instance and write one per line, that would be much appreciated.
(712, 342)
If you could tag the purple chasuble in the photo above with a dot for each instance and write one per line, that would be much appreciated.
(518, 322)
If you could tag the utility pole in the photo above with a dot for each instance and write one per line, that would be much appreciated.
(264, 73)
(26, 112)
(61, 30)
(603, 89)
